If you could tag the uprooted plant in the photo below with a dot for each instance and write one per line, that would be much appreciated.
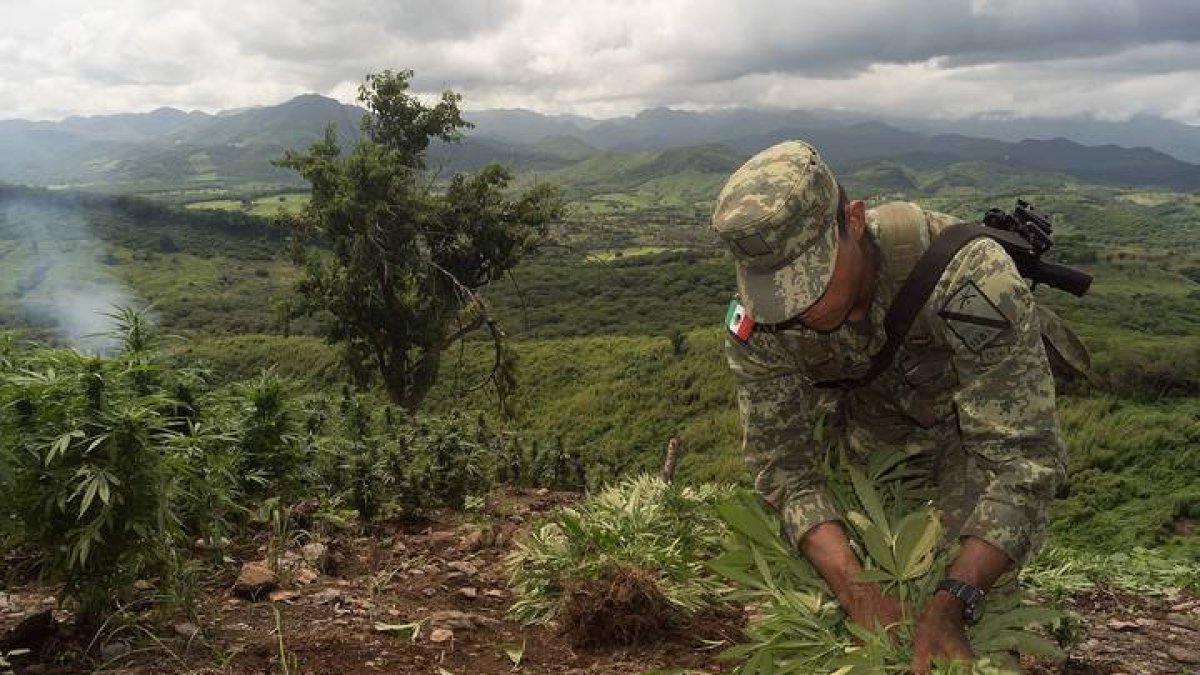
(801, 629)
(624, 565)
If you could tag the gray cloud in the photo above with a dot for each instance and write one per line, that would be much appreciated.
(939, 57)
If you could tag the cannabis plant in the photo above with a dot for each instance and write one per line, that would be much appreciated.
(84, 472)
(642, 523)
(895, 532)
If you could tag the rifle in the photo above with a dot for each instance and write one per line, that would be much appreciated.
(1026, 235)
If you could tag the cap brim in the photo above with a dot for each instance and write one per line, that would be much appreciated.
(775, 297)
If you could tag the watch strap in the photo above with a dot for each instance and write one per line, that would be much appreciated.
(970, 596)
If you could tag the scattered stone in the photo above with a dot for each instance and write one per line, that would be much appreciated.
(305, 575)
(114, 650)
(441, 635)
(463, 567)
(472, 540)
(494, 593)
(456, 620)
(254, 580)
(314, 554)
(186, 629)
(469, 592)
(1184, 621)
(455, 576)
(326, 596)
(143, 585)
(31, 633)
(441, 539)
(429, 591)
(542, 492)
(283, 596)
(1184, 655)
(1145, 623)
(1186, 606)
(1124, 626)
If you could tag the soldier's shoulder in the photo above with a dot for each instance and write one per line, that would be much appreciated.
(759, 355)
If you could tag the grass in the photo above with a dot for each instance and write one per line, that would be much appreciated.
(270, 205)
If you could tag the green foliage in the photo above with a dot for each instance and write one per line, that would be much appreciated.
(109, 466)
(642, 522)
(1131, 471)
(86, 469)
(400, 281)
(801, 629)
(1059, 572)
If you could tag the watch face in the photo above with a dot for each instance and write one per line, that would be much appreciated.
(974, 611)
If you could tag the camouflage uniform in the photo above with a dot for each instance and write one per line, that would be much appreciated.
(969, 396)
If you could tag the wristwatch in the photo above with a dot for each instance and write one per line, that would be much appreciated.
(970, 597)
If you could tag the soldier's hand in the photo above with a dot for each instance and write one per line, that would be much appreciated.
(867, 605)
(941, 635)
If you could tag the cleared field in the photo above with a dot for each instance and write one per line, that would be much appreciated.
(263, 206)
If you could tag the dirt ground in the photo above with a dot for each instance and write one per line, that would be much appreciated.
(447, 576)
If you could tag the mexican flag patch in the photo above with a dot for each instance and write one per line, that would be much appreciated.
(738, 321)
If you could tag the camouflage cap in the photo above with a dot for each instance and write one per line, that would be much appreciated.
(778, 214)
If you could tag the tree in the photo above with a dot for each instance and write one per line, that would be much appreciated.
(398, 264)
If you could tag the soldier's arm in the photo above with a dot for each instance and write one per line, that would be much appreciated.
(1005, 404)
(779, 412)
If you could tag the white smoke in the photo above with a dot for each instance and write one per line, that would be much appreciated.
(54, 272)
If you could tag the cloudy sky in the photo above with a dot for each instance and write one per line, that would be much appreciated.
(945, 58)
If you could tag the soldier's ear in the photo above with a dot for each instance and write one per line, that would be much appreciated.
(856, 217)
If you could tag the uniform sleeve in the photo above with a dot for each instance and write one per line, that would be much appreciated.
(1005, 403)
(780, 412)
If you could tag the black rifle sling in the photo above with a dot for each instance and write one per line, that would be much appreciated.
(912, 296)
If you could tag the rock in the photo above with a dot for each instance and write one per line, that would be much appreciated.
(472, 540)
(441, 635)
(456, 620)
(186, 629)
(305, 575)
(1186, 606)
(469, 592)
(143, 585)
(1124, 626)
(494, 593)
(31, 633)
(1184, 655)
(463, 567)
(455, 576)
(326, 596)
(1184, 621)
(282, 596)
(314, 553)
(429, 591)
(542, 492)
(254, 580)
(114, 650)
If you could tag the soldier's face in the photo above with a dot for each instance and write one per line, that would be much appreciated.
(844, 298)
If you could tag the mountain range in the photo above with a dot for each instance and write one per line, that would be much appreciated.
(171, 149)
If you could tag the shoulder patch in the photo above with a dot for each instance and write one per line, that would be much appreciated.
(973, 317)
(738, 321)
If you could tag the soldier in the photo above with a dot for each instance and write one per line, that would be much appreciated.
(969, 395)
